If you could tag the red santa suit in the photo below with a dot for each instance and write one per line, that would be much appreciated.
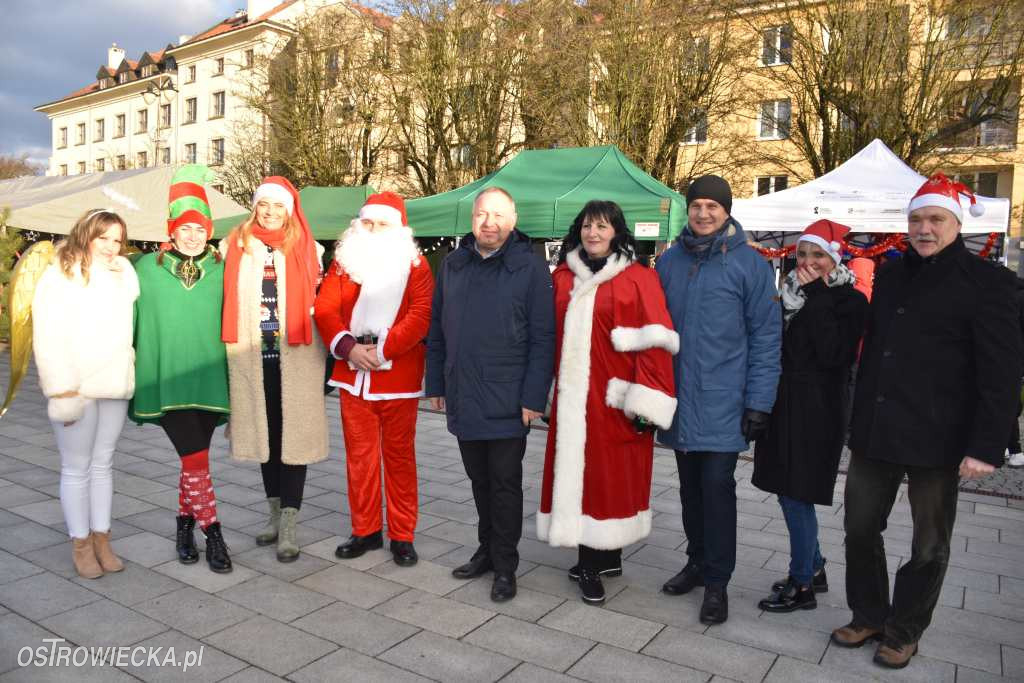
(381, 288)
(614, 341)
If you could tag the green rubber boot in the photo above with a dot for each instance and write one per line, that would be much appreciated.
(269, 533)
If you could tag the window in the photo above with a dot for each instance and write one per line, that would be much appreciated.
(141, 160)
(80, 140)
(463, 155)
(190, 74)
(165, 116)
(121, 162)
(123, 76)
(771, 183)
(119, 126)
(218, 187)
(190, 153)
(777, 45)
(218, 66)
(985, 184)
(331, 67)
(100, 165)
(774, 124)
(216, 151)
(191, 107)
(163, 156)
(142, 121)
(81, 167)
(698, 134)
(106, 83)
(250, 59)
(62, 138)
(63, 169)
(100, 130)
(149, 70)
(217, 105)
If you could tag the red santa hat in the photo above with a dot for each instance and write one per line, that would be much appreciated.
(828, 235)
(385, 206)
(942, 192)
(278, 189)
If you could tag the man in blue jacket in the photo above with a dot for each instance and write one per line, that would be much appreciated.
(722, 299)
(490, 359)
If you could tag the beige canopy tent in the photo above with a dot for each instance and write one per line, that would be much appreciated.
(53, 203)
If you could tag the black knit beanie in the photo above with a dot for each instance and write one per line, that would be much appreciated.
(711, 187)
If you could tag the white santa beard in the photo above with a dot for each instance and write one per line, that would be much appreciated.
(379, 262)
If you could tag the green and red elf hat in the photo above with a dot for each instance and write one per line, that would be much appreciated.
(186, 200)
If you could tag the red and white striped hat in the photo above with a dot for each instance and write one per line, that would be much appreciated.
(942, 192)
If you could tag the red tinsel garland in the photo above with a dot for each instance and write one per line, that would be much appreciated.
(882, 244)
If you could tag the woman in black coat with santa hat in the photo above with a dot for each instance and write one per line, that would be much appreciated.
(798, 456)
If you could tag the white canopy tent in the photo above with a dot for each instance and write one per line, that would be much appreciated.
(868, 193)
(53, 204)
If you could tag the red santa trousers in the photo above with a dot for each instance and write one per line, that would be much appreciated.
(377, 431)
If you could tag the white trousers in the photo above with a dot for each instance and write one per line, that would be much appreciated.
(86, 460)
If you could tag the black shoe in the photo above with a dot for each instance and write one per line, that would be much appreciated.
(504, 588)
(356, 546)
(403, 553)
(477, 566)
(791, 598)
(574, 572)
(715, 609)
(591, 587)
(217, 550)
(185, 541)
(819, 582)
(685, 581)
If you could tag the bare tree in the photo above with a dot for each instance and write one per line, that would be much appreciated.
(930, 79)
(15, 167)
(319, 108)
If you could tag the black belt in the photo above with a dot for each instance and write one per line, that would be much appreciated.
(366, 339)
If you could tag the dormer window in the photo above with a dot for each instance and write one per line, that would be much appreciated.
(123, 77)
(106, 82)
(148, 70)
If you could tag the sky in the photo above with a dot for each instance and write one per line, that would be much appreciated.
(50, 48)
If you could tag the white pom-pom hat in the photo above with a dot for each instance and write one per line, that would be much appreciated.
(828, 235)
(942, 192)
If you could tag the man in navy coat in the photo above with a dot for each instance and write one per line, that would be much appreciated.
(722, 299)
(490, 359)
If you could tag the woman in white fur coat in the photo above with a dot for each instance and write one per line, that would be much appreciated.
(82, 336)
(613, 386)
(275, 356)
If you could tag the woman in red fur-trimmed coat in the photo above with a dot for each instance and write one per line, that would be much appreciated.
(613, 386)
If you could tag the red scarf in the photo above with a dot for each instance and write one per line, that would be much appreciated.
(302, 268)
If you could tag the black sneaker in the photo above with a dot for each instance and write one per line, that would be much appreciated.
(819, 582)
(685, 581)
(574, 572)
(591, 587)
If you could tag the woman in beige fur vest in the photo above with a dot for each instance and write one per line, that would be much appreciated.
(275, 358)
(82, 337)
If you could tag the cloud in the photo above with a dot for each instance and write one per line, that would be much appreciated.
(51, 49)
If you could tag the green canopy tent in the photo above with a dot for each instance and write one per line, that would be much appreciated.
(329, 210)
(550, 186)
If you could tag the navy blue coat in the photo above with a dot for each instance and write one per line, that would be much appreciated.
(725, 307)
(491, 346)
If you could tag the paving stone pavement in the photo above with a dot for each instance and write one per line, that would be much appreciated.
(322, 619)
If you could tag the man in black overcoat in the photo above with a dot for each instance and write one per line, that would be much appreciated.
(934, 400)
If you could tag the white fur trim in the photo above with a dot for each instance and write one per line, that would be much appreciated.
(638, 399)
(573, 386)
(381, 212)
(830, 248)
(646, 337)
(70, 409)
(385, 364)
(602, 534)
(939, 200)
(274, 192)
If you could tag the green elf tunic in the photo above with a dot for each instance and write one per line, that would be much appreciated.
(180, 361)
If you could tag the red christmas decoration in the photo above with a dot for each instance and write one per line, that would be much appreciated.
(896, 240)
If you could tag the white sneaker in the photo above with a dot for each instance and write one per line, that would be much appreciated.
(1016, 460)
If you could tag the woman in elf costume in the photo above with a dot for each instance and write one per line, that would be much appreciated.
(181, 376)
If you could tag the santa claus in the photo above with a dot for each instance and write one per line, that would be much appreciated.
(373, 312)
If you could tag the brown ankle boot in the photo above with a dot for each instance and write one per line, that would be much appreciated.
(104, 553)
(893, 655)
(855, 635)
(84, 558)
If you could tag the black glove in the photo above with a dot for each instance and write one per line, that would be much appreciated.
(754, 424)
(641, 425)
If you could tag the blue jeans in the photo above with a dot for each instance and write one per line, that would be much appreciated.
(805, 558)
